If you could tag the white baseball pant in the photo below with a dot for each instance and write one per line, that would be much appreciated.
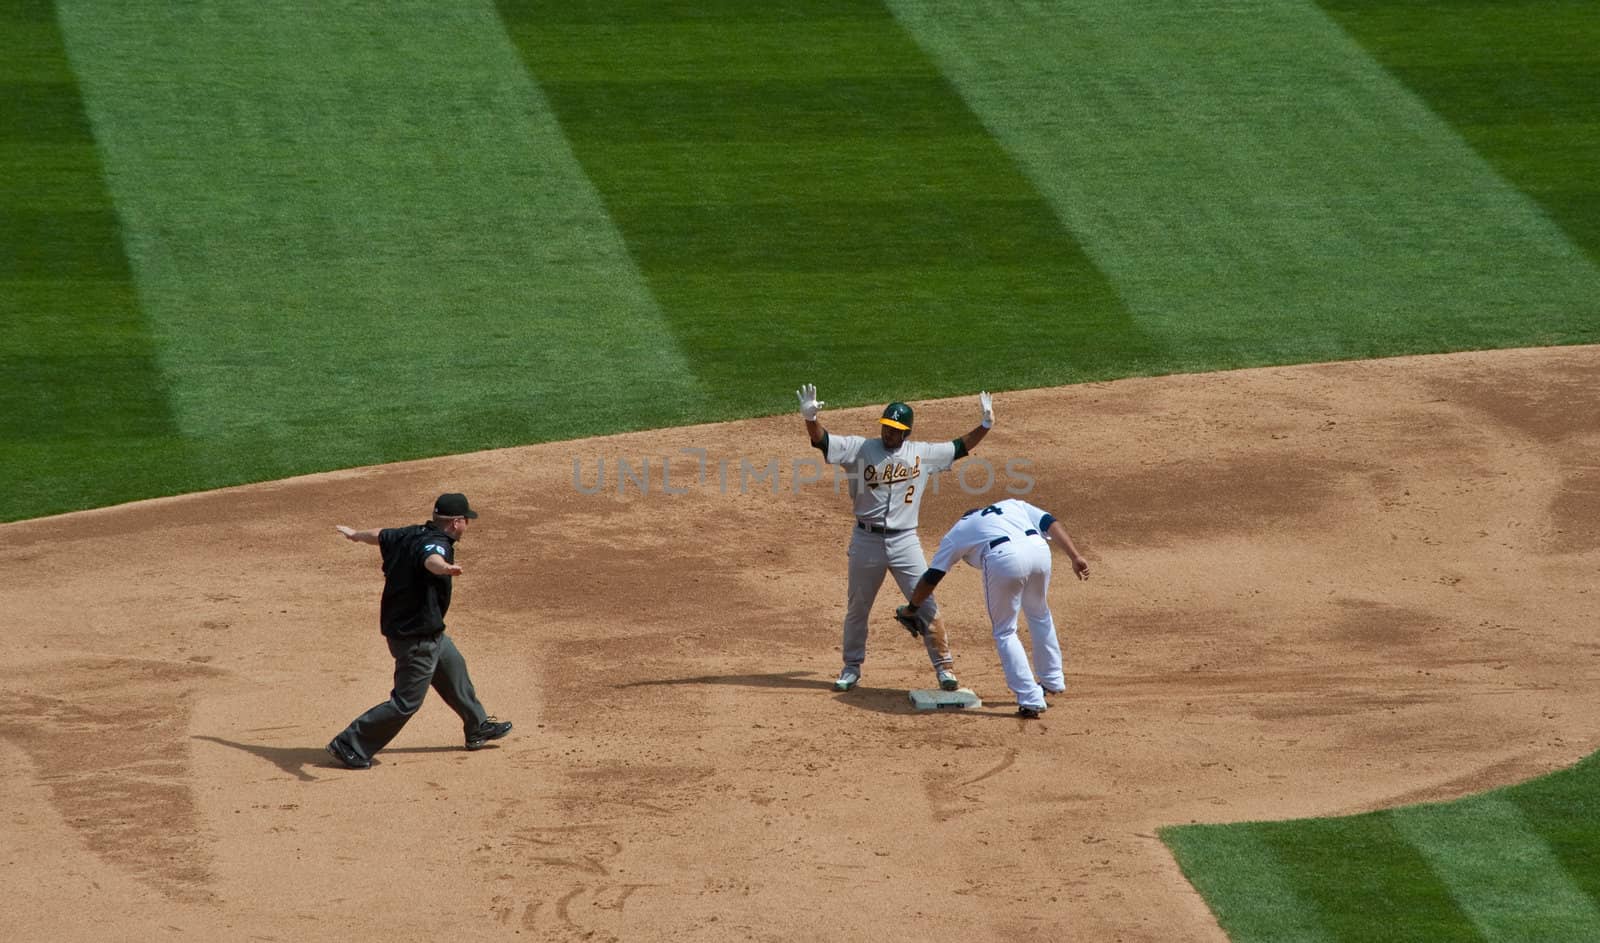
(1016, 575)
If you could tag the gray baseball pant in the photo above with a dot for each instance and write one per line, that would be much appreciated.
(871, 556)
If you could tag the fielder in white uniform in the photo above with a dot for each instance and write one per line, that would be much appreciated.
(1007, 543)
(887, 478)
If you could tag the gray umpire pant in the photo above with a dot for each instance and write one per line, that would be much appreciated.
(871, 556)
(420, 662)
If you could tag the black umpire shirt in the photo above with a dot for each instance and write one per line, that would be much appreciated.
(414, 600)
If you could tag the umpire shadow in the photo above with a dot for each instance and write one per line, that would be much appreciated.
(294, 760)
(803, 680)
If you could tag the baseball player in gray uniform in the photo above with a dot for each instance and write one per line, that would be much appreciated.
(1007, 541)
(887, 478)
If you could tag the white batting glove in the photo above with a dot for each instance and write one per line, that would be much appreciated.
(809, 404)
(986, 403)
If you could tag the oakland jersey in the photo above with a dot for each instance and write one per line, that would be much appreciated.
(887, 487)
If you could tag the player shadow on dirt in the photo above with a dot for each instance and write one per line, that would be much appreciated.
(877, 699)
(294, 760)
(898, 701)
(787, 679)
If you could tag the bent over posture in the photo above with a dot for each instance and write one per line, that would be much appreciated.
(418, 564)
(1007, 543)
(888, 477)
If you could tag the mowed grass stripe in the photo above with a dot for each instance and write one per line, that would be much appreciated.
(1563, 809)
(1255, 185)
(1520, 863)
(1353, 879)
(83, 408)
(1519, 79)
(792, 181)
(1500, 871)
(362, 235)
(1244, 884)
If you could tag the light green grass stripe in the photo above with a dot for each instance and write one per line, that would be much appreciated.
(1236, 166)
(1236, 857)
(362, 222)
(1500, 872)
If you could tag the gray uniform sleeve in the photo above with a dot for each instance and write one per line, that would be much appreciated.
(842, 449)
(937, 456)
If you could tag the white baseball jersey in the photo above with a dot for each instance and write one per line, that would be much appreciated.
(971, 537)
(887, 487)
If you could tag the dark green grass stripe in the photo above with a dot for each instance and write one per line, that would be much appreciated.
(849, 237)
(69, 245)
(83, 403)
(1520, 81)
(893, 111)
(1239, 874)
(613, 14)
(1357, 879)
(830, 206)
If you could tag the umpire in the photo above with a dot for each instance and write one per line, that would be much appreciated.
(418, 563)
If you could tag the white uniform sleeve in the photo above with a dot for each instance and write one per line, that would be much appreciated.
(957, 543)
(1035, 514)
(842, 449)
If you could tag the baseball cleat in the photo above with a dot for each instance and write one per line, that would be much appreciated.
(947, 679)
(1030, 713)
(347, 757)
(848, 679)
(490, 729)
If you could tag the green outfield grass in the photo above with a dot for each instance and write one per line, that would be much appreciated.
(1516, 864)
(246, 240)
(243, 243)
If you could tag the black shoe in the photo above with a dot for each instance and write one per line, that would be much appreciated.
(349, 758)
(1030, 713)
(490, 729)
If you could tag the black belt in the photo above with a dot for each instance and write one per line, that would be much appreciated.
(1000, 540)
(886, 531)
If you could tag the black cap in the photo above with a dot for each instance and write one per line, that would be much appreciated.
(453, 505)
(897, 416)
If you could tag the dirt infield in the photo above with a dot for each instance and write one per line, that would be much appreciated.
(1316, 590)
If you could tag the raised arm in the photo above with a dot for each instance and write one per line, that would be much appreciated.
(358, 536)
(810, 406)
(970, 440)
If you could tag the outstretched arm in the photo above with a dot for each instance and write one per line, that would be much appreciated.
(359, 536)
(1080, 566)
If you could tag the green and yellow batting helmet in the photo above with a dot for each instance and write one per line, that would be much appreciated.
(897, 416)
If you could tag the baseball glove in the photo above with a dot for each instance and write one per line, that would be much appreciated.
(915, 620)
